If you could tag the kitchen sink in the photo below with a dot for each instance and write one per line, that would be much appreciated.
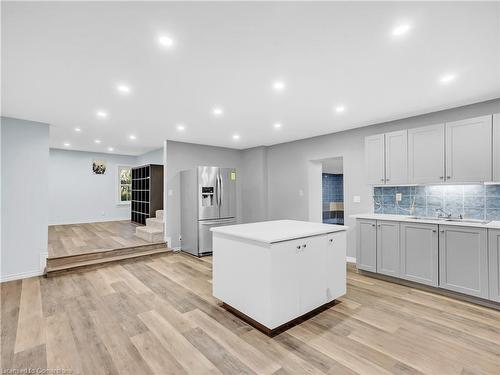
(455, 220)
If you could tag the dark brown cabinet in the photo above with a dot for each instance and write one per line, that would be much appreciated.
(147, 192)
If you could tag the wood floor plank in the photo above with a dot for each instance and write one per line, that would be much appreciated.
(184, 352)
(31, 327)
(10, 301)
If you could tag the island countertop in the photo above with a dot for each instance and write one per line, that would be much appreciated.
(278, 230)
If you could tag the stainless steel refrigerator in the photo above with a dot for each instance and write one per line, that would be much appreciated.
(208, 199)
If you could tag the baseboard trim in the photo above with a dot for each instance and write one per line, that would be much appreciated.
(21, 275)
(87, 221)
(351, 260)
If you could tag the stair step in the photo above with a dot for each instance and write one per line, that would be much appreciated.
(159, 214)
(154, 222)
(149, 234)
(90, 263)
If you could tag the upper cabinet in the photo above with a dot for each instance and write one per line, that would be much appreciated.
(396, 157)
(469, 150)
(375, 159)
(426, 154)
(456, 152)
(496, 147)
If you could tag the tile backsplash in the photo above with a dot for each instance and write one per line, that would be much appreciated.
(471, 201)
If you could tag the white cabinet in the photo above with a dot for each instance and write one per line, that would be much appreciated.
(469, 150)
(463, 260)
(366, 245)
(419, 253)
(496, 147)
(494, 264)
(396, 157)
(375, 159)
(426, 154)
(388, 248)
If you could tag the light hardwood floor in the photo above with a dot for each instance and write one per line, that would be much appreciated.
(72, 239)
(157, 316)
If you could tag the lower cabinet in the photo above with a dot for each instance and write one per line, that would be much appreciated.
(463, 260)
(419, 253)
(388, 251)
(366, 245)
(494, 263)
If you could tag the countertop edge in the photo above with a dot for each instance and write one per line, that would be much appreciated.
(491, 225)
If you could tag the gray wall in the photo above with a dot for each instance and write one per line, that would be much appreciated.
(151, 157)
(254, 184)
(289, 165)
(182, 156)
(76, 195)
(24, 191)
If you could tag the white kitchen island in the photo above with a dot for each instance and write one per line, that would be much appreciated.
(276, 273)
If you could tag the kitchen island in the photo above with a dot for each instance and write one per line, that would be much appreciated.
(274, 274)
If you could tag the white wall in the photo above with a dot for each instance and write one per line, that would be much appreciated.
(151, 157)
(254, 181)
(24, 191)
(76, 195)
(290, 166)
(183, 156)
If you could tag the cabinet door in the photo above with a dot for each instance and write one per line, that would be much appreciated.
(463, 260)
(419, 253)
(336, 265)
(396, 157)
(494, 263)
(426, 154)
(312, 273)
(388, 248)
(496, 147)
(366, 247)
(468, 150)
(375, 159)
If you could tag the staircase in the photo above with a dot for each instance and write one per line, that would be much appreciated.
(153, 231)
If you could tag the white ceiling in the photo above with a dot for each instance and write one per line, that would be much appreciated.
(61, 62)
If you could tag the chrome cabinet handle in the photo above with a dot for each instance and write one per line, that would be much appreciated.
(434, 231)
(373, 225)
(331, 240)
(441, 231)
(387, 179)
(382, 180)
(304, 246)
(441, 177)
(298, 247)
(448, 177)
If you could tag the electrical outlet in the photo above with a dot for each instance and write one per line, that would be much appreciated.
(356, 199)
(399, 197)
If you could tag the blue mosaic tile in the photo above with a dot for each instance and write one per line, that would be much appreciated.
(390, 209)
(434, 190)
(404, 190)
(420, 211)
(378, 209)
(474, 201)
(493, 190)
(406, 200)
(453, 190)
(474, 190)
(389, 199)
(388, 190)
(493, 215)
(419, 190)
(433, 201)
(453, 202)
(420, 200)
(474, 213)
(493, 202)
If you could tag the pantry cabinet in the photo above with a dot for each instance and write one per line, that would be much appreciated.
(419, 253)
(426, 154)
(396, 157)
(463, 260)
(469, 150)
(375, 159)
(388, 248)
(496, 147)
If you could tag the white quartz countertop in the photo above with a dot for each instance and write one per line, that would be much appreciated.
(277, 230)
(413, 219)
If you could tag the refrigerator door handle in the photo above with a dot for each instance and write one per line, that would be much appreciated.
(221, 190)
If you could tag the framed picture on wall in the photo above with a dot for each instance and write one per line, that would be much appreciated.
(99, 166)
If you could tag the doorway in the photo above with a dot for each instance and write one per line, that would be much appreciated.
(332, 178)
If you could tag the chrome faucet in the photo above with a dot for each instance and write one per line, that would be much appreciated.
(443, 213)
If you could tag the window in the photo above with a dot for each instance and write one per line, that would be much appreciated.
(125, 188)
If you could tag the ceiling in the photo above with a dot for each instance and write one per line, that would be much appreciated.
(61, 62)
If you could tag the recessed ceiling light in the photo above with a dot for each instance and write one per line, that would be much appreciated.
(181, 127)
(165, 41)
(123, 89)
(447, 78)
(279, 86)
(67, 144)
(97, 141)
(218, 111)
(401, 29)
(236, 137)
(277, 125)
(111, 149)
(78, 130)
(132, 137)
(102, 114)
(339, 109)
